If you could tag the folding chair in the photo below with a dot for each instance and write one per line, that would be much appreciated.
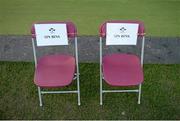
(121, 69)
(58, 70)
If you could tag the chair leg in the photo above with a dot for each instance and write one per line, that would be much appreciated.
(101, 100)
(101, 94)
(78, 87)
(40, 98)
(139, 95)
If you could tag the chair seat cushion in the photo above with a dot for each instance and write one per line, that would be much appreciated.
(122, 70)
(54, 71)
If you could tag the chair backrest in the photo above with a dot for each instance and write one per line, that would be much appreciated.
(140, 32)
(71, 32)
(141, 29)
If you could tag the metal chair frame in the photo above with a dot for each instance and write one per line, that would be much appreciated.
(101, 74)
(76, 75)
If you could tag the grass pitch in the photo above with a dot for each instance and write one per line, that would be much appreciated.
(19, 97)
(161, 17)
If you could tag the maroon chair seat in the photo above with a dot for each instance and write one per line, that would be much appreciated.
(54, 71)
(122, 70)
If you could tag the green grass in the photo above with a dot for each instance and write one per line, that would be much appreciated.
(161, 17)
(19, 99)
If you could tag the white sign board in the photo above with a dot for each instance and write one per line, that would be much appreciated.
(51, 34)
(121, 33)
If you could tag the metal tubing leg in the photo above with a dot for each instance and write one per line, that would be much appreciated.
(40, 98)
(79, 100)
(139, 95)
(77, 67)
(101, 94)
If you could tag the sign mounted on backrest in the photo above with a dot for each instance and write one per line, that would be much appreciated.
(121, 33)
(51, 34)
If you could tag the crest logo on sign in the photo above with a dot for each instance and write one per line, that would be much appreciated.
(122, 30)
(52, 30)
